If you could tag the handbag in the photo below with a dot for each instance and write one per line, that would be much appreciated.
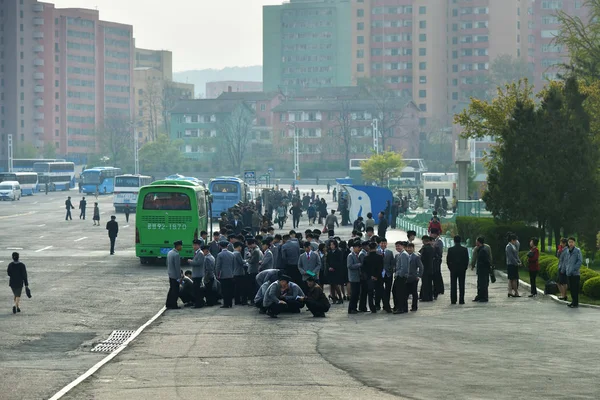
(324, 229)
(492, 275)
(28, 292)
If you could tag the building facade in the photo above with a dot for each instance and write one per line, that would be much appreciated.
(215, 89)
(160, 60)
(306, 44)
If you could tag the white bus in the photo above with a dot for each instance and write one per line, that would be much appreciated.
(127, 188)
(58, 175)
(27, 180)
(439, 184)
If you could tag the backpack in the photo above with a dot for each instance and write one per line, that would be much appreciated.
(435, 224)
(551, 288)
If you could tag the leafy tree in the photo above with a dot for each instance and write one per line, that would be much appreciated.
(49, 150)
(506, 69)
(25, 150)
(437, 145)
(344, 131)
(115, 140)
(381, 167)
(236, 130)
(162, 155)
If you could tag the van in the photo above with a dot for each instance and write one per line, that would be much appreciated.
(10, 190)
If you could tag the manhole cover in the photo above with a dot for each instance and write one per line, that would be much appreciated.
(114, 341)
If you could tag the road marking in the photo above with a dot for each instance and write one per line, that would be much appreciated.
(41, 237)
(126, 226)
(42, 225)
(45, 248)
(18, 215)
(35, 202)
(14, 248)
(106, 359)
(83, 238)
(102, 213)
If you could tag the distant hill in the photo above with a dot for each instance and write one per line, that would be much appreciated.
(201, 76)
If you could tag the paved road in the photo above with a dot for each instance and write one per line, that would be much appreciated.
(509, 348)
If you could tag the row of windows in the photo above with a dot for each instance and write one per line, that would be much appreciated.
(392, 24)
(81, 107)
(117, 100)
(396, 10)
(307, 24)
(81, 71)
(117, 31)
(117, 77)
(81, 82)
(392, 66)
(79, 22)
(81, 131)
(81, 59)
(403, 37)
(80, 46)
(308, 82)
(117, 112)
(82, 143)
(117, 43)
(114, 88)
(397, 51)
(81, 95)
(312, 35)
(81, 35)
(116, 65)
(308, 12)
(81, 120)
(307, 58)
(311, 46)
(116, 54)
(291, 70)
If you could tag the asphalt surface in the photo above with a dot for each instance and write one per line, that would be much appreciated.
(506, 349)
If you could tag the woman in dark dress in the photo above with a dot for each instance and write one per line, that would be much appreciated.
(18, 276)
(335, 270)
(344, 270)
(323, 277)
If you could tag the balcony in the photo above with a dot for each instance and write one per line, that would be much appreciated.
(38, 35)
(38, 21)
(38, 49)
(38, 76)
(38, 7)
(38, 130)
(39, 89)
(38, 102)
(38, 116)
(38, 62)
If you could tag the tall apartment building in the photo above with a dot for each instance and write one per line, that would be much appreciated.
(65, 72)
(160, 60)
(306, 43)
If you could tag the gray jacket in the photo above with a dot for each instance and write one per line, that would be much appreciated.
(353, 263)
(268, 275)
(415, 268)
(274, 293)
(254, 261)
(174, 264)
(275, 250)
(267, 261)
(512, 255)
(209, 267)
(224, 265)
(388, 263)
(562, 260)
(198, 265)
(573, 261)
(240, 266)
(402, 265)
(290, 252)
(309, 264)
(262, 290)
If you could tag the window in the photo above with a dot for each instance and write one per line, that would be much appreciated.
(22, 96)
(360, 12)
(360, 54)
(422, 94)
(422, 51)
(422, 79)
(360, 40)
(454, 54)
(454, 95)
(360, 67)
(454, 67)
(360, 26)
(422, 66)
(22, 110)
(56, 132)
(22, 82)
(55, 83)
(422, 10)
(422, 24)
(423, 107)
(422, 37)
(22, 124)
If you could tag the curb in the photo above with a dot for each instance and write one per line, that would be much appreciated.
(541, 292)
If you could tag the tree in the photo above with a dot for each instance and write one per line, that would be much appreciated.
(153, 107)
(344, 131)
(25, 150)
(49, 150)
(506, 69)
(381, 167)
(115, 140)
(236, 130)
(437, 146)
(162, 155)
(582, 38)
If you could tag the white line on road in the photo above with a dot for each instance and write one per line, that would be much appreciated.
(126, 226)
(42, 225)
(45, 248)
(83, 238)
(41, 237)
(14, 248)
(106, 359)
(102, 213)
(18, 215)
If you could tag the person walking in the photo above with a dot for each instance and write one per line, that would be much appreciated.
(17, 273)
(328, 187)
(382, 226)
(573, 265)
(112, 227)
(331, 222)
(415, 271)
(296, 211)
(69, 207)
(458, 263)
(438, 281)
(512, 265)
(127, 211)
(334, 194)
(82, 206)
(427, 258)
(484, 265)
(174, 272)
(224, 266)
(96, 216)
(533, 262)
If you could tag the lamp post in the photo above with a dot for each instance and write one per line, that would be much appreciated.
(10, 153)
(296, 152)
(375, 124)
(136, 165)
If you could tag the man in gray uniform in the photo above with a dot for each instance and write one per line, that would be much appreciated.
(254, 260)
(240, 268)
(197, 264)
(210, 283)
(268, 275)
(309, 264)
(260, 297)
(353, 264)
(290, 253)
(267, 261)
(282, 296)
(174, 271)
(224, 272)
(388, 272)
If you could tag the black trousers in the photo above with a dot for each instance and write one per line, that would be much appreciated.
(127, 217)
(277, 308)
(330, 232)
(227, 290)
(316, 308)
(427, 288)
(574, 289)
(364, 294)
(385, 293)
(209, 293)
(532, 281)
(68, 216)
(198, 292)
(376, 294)
(411, 289)
(354, 295)
(400, 295)
(82, 214)
(240, 291)
(292, 271)
(112, 245)
(438, 283)
(251, 287)
(295, 220)
(483, 282)
(173, 293)
(457, 277)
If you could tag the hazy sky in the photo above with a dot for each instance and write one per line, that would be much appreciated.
(200, 33)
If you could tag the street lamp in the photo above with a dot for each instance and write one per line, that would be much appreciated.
(296, 152)
(135, 148)
(374, 124)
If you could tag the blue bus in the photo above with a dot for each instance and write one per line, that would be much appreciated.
(100, 179)
(58, 175)
(26, 164)
(226, 192)
(27, 180)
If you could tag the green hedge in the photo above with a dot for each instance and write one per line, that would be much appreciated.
(586, 274)
(495, 234)
(591, 288)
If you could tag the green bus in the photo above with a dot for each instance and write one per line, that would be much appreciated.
(167, 211)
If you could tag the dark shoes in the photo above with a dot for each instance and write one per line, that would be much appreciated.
(225, 307)
(571, 305)
(476, 299)
(532, 295)
(18, 309)
(174, 308)
(398, 312)
(14, 309)
(353, 312)
(319, 315)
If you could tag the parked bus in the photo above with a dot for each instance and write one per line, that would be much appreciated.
(439, 184)
(100, 179)
(58, 175)
(167, 211)
(227, 191)
(126, 190)
(27, 180)
(26, 164)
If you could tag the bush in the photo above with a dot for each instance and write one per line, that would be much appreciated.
(552, 272)
(586, 274)
(591, 288)
(545, 262)
(495, 234)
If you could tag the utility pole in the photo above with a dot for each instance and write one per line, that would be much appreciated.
(136, 153)
(10, 154)
(375, 135)
(296, 152)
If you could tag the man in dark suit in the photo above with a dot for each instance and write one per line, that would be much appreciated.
(237, 224)
(382, 226)
(372, 268)
(113, 229)
(427, 256)
(458, 262)
(82, 206)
